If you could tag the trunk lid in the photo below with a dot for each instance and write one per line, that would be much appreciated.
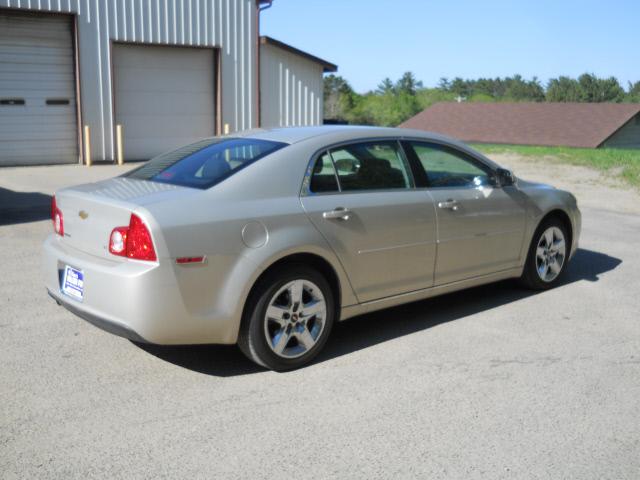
(91, 211)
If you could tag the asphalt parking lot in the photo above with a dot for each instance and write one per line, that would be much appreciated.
(494, 382)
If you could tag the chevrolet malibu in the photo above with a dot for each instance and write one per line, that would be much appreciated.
(269, 237)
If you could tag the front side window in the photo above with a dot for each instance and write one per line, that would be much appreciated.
(447, 167)
(205, 163)
(371, 166)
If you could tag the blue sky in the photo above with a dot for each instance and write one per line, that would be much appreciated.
(372, 39)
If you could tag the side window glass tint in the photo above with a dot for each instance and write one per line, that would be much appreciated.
(371, 166)
(323, 177)
(446, 167)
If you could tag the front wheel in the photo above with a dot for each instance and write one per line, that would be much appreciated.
(288, 318)
(547, 256)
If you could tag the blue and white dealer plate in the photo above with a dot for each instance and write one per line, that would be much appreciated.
(73, 283)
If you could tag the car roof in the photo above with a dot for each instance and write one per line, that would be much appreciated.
(298, 134)
(328, 134)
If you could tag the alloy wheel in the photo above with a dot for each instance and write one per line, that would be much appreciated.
(550, 254)
(295, 318)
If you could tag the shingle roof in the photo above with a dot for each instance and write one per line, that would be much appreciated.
(553, 124)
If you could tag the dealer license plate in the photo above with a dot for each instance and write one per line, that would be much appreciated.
(73, 283)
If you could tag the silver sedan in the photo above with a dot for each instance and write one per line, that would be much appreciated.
(267, 238)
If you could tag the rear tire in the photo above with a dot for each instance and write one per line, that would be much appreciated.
(288, 318)
(548, 255)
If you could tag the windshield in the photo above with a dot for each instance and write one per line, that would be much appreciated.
(205, 163)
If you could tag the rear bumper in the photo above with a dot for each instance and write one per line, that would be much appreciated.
(141, 301)
(96, 321)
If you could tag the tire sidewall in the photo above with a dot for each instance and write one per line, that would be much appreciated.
(530, 274)
(253, 323)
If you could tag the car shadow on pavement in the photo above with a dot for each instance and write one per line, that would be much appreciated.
(371, 329)
(377, 327)
(23, 207)
(216, 360)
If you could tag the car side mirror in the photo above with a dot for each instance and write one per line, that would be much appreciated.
(505, 177)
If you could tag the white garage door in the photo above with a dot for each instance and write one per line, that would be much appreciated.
(164, 97)
(37, 90)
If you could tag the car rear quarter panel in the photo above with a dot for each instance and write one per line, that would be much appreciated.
(212, 224)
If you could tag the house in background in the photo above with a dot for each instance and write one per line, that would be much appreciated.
(76, 76)
(587, 125)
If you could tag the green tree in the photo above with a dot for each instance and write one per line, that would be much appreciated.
(481, 97)
(428, 96)
(338, 97)
(596, 89)
(494, 88)
(444, 84)
(563, 89)
(519, 89)
(408, 84)
(389, 105)
(393, 103)
(460, 87)
(387, 110)
(633, 93)
(386, 86)
(611, 90)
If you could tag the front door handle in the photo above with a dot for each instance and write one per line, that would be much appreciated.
(449, 204)
(339, 213)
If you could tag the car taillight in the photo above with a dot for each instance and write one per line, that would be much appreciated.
(133, 241)
(139, 243)
(56, 217)
(118, 241)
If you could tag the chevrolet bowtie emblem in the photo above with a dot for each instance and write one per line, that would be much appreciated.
(83, 215)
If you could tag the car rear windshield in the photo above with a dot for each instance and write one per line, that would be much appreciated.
(205, 163)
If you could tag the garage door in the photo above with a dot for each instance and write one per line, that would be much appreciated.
(37, 90)
(164, 97)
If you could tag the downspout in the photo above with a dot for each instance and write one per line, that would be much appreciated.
(262, 5)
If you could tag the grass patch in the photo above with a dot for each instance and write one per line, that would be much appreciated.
(621, 163)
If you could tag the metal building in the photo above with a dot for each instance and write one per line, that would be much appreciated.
(99, 79)
(292, 81)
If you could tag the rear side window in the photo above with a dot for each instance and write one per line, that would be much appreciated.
(205, 163)
(371, 166)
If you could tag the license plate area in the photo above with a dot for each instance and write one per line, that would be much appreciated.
(73, 283)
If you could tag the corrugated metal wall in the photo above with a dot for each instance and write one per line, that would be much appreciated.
(627, 137)
(228, 24)
(292, 89)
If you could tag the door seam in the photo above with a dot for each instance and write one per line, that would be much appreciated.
(346, 274)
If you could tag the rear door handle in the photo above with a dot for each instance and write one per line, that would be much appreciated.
(339, 213)
(448, 204)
